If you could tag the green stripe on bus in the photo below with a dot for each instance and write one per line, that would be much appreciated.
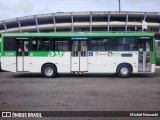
(46, 54)
(36, 54)
(43, 35)
(9, 54)
(153, 58)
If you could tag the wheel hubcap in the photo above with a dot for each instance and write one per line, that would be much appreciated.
(48, 71)
(124, 71)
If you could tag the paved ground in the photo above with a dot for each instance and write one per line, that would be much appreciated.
(22, 92)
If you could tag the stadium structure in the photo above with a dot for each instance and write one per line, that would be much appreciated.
(83, 22)
(104, 21)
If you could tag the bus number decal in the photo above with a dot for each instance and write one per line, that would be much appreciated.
(9, 54)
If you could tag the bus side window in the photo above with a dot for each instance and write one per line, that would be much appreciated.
(127, 47)
(44, 45)
(34, 45)
(60, 45)
(9, 44)
(94, 46)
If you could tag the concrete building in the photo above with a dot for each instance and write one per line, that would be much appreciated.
(104, 21)
(83, 22)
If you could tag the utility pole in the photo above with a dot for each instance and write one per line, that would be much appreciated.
(119, 5)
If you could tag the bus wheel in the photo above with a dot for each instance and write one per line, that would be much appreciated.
(124, 71)
(49, 71)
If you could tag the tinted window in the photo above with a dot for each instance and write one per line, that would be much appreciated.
(114, 44)
(60, 45)
(98, 45)
(94, 46)
(34, 46)
(9, 44)
(39, 44)
(49, 44)
(43, 45)
(145, 44)
(123, 44)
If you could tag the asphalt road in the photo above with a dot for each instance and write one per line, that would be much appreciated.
(67, 92)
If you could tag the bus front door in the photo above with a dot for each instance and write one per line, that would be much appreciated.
(22, 55)
(144, 62)
(79, 59)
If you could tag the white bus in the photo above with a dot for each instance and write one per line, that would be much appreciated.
(52, 53)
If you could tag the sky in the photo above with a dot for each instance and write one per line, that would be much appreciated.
(19, 8)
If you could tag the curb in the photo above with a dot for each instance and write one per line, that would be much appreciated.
(157, 66)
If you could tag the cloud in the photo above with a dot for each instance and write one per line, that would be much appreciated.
(27, 6)
(19, 8)
(141, 5)
(76, 5)
(10, 9)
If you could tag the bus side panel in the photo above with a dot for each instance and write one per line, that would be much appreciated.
(62, 63)
(107, 62)
(8, 63)
(153, 68)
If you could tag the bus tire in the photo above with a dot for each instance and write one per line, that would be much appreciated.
(49, 71)
(124, 71)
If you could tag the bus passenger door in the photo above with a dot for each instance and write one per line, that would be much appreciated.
(22, 55)
(144, 63)
(75, 56)
(83, 56)
(79, 59)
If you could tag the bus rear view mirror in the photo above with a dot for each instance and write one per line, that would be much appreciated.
(140, 49)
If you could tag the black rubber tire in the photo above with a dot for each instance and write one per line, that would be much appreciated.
(53, 67)
(126, 67)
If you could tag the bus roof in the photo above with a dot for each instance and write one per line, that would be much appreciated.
(77, 34)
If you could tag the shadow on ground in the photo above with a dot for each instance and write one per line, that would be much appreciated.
(71, 75)
(33, 75)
